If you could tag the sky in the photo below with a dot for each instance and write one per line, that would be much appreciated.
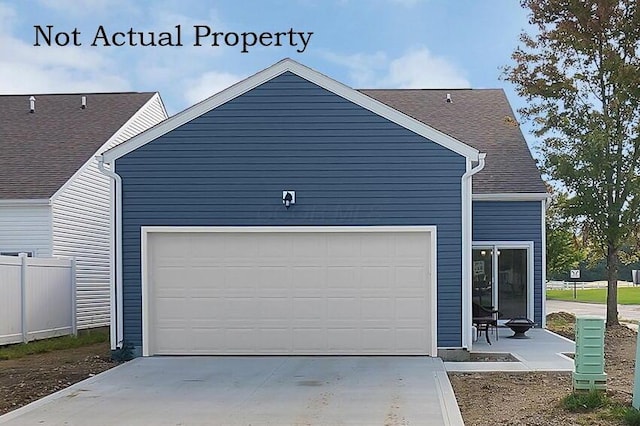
(361, 43)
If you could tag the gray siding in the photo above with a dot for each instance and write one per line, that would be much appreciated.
(347, 165)
(513, 221)
(26, 228)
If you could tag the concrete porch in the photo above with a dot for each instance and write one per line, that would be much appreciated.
(541, 352)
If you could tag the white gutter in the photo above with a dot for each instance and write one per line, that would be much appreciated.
(116, 258)
(467, 228)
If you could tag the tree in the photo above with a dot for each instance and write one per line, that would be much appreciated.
(580, 75)
(564, 251)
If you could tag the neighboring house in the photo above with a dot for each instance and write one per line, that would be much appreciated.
(53, 199)
(290, 214)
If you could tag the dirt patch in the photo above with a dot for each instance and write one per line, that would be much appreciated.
(535, 398)
(27, 379)
(486, 357)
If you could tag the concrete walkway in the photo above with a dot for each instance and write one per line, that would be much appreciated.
(254, 391)
(543, 351)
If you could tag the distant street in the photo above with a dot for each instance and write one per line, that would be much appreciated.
(625, 312)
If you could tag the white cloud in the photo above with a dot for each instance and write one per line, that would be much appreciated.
(29, 69)
(207, 85)
(415, 69)
(89, 7)
(420, 69)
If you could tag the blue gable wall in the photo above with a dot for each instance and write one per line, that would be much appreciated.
(513, 221)
(347, 165)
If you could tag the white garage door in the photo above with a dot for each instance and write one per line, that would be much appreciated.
(288, 291)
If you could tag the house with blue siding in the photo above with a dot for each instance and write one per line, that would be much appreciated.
(291, 214)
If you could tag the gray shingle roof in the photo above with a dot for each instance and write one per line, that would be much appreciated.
(481, 118)
(39, 152)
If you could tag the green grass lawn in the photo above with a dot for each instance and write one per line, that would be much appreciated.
(47, 345)
(626, 295)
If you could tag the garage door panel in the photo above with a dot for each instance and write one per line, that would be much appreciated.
(298, 293)
(307, 248)
(273, 308)
(341, 246)
(309, 308)
(347, 308)
(307, 278)
(309, 340)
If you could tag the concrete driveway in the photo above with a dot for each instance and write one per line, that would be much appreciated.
(254, 391)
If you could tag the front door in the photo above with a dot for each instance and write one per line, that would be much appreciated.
(501, 279)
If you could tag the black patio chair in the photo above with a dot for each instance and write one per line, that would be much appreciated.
(485, 318)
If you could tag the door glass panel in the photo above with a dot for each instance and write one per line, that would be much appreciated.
(483, 277)
(512, 283)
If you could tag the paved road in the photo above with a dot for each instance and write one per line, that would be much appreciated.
(625, 312)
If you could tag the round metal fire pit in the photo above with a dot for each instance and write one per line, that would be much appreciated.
(519, 326)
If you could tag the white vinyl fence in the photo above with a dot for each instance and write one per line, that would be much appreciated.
(37, 298)
(582, 285)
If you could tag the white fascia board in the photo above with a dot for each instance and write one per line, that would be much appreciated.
(516, 196)
(310, 75)
(116, 134)
(26, 202)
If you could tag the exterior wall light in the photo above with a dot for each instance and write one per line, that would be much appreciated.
(288, 198)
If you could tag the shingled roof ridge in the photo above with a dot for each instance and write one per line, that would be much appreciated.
(77, 93)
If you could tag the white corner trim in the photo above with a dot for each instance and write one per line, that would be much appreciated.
(516, 196)
(144, 260)
(308, 74)
(115, 135)
(434, 291)
(25, 202)
(543, 240)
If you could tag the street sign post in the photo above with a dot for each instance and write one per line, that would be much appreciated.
(574, 274)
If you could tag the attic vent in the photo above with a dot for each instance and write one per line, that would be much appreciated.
(449, 98)
(32, 104)
(84, 102)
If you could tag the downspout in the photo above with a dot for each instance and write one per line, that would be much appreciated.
(467, 227)
(116, 264)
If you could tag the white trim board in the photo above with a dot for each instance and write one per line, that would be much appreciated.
(511, 197)
(289, 65)
(146, 230)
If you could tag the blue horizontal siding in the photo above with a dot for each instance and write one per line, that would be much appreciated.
(347, 165)
(513, 221)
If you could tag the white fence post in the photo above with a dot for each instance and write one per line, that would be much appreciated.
(74, 302)
(23, 296)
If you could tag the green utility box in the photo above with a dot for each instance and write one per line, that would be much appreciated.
(589, 361)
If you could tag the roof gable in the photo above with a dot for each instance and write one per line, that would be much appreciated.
(43, 149)
(289, 65)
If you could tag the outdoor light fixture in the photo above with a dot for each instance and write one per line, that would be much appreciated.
(288, 198)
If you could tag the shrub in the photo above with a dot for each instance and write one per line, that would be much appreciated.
(632, 417)
(581, 401)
